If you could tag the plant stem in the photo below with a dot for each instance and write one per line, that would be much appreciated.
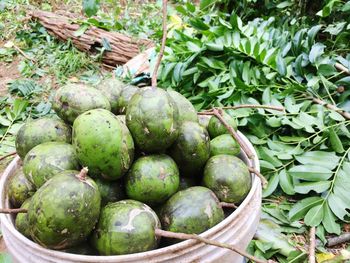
(162, 48)
(253, 106)
(312, 245)
(7, 155)
(258, 174)
(331, 107)
(228, 205)
(83, 174)
(12, 211)
(338, 240)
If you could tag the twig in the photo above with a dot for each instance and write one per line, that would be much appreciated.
(312, 245)
(162, 48)
(82, 174)
(23, 54)
(253, 106)
(12, 211)
(331, 107)
(7, 155)
(258, 174)
(341, 68)
(205, 113)
(184, 236)
(228, 205)
(333, 241)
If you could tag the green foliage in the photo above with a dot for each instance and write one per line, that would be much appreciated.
(90, 7)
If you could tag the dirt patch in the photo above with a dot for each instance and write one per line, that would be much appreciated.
(8, 72)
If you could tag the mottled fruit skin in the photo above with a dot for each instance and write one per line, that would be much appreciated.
(191, 150)
(112, 89)
(22, 222)
(125, 96)
(103, 144)
(73, 99)
(228, 177)
(64, 211)
(152, 118)
(203, 120)
(191, 211)
(81, 249)
(110, 191)
(224, 144)
(186, 110)
(45, 129)
(126, 227)
(216, 128)
(152, 179)
(19, 188)
(47, 159)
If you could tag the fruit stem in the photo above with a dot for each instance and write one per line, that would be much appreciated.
(83, 174)
(258, 174)
(228, 205)
(162, 48)
(12, 211)
(207, 241)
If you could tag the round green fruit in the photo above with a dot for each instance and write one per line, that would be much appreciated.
(103, 144)
(125, 96)
(186, 110)
(73, 99)
(19, 188)
(191, 150)
(152, 179)
(224, 144)
(22, 222)
(191, 211)
(110, 191)
(152, 118)
(45, 129)
(126, 227)
(203, 120)
(81, 249)
(216, 128)
(228, 177)
(47, 159)
(112, 89)
(64, 211)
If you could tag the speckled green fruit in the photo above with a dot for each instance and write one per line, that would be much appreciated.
(224, 144)
(126, 227)
(22, 222)
(64, 211)
(186, 110)
(203, 121)
(191, 211)
(228, 177)
(216, 128)
(191, 150)
(187, 182)
(73, 99)
(152, 118)
(47, 159)
(103, 144)
(125, 96)
(81, 249)
(112, 89)
(152, 179)
(19, 188)
(110, 191)
(45, 129)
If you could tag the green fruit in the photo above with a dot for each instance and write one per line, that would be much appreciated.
(152, 118)
(22, 222)
(64, 210)
(112, 89)
(125, 96)
(224, 144)
(103, 144)
(203, 121)
(152, 179)
(186, 110)
(81, 249)
(126, 227)
(191, 211)
(191, 149)
(47, 159)
(186, 182)
(45, 129)
(73, 99)
(216, 128)
(110, 191)
(19, 188)
(228, 177)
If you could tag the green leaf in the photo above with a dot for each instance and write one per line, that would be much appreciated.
(281, 65)
(318, 187)
(319, 158)
(310, 172)
(106, 45)
(338, 206)
(272, 185)
(314, 216)
(286, 182)
(300, 209)
(193, 47)
(5, 258)
(316, 51)
(90, 7)
(81, 30)
(198, 24)
(336, 116)
(311, 34)
(335, 141)
(205, 3)
(329, 221)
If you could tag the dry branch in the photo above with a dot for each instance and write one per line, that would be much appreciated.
(338, 240)
(341, 68)
(123, 48)
(7, 155)
(345, 114)
(312, 258)
(12, 211)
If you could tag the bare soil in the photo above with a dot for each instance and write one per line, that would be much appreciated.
(8, 72)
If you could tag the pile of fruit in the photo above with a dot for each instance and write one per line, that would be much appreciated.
(119, 162)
